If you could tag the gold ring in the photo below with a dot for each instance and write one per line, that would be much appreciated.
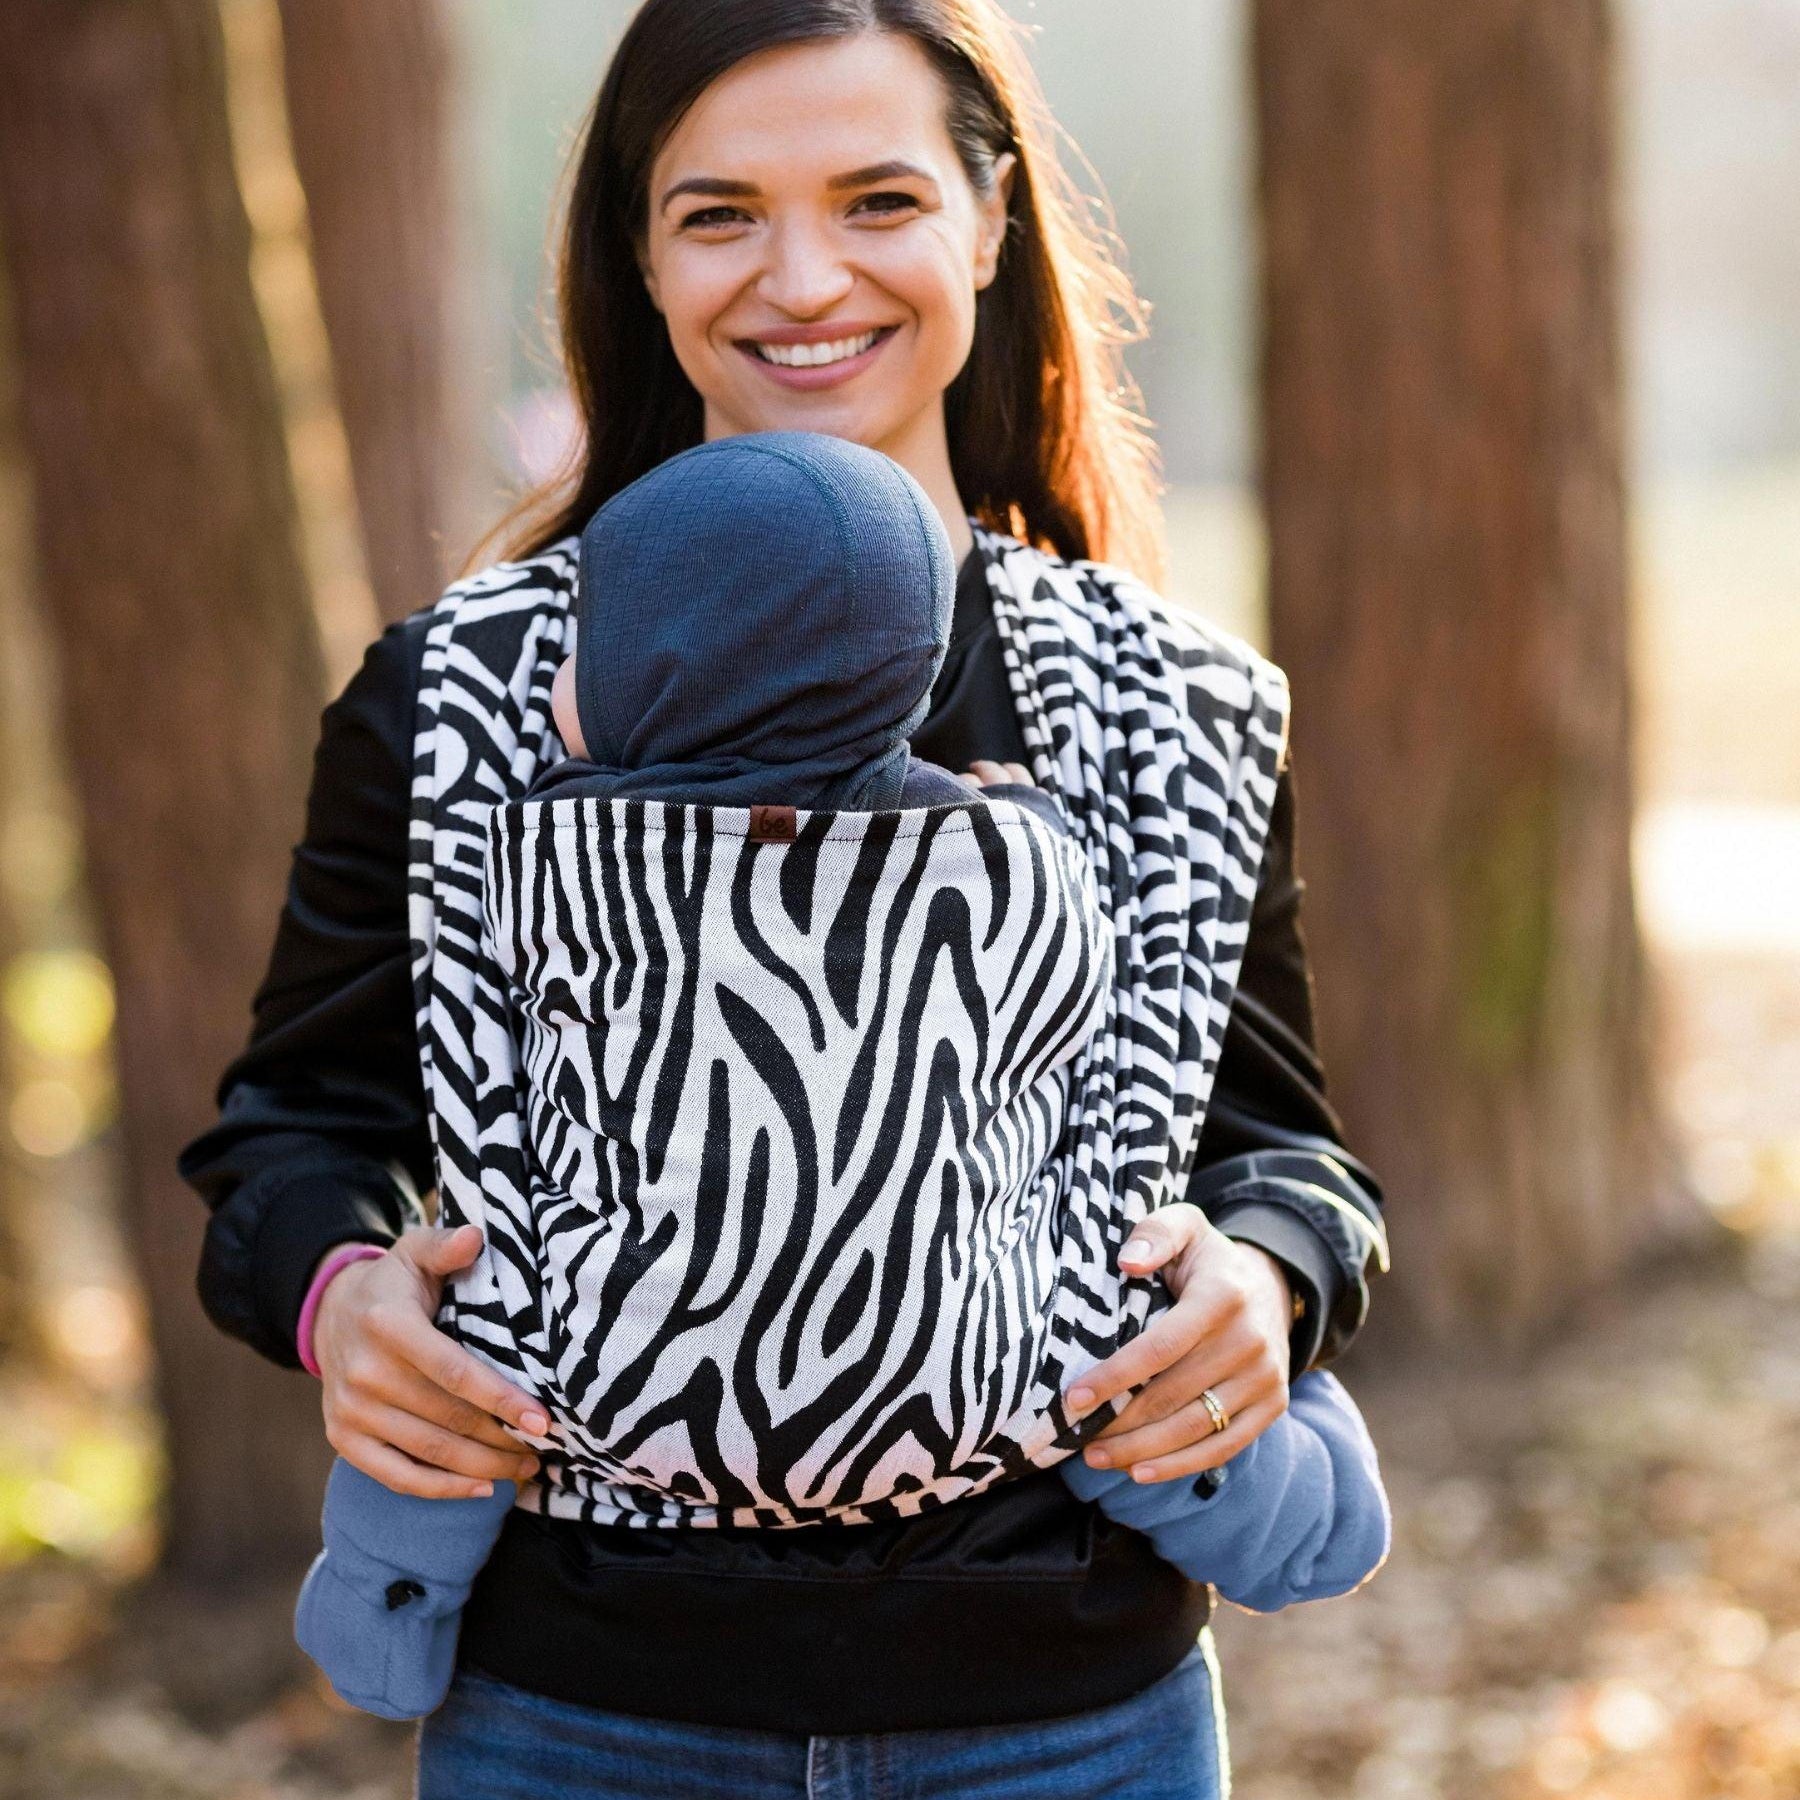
(1217, 1413)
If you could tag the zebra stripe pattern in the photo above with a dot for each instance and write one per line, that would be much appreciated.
(1162, 743)
(790, 1247)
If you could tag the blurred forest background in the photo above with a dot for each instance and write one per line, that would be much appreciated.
(1476, 361)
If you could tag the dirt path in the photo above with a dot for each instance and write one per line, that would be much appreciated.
(1595, 1585)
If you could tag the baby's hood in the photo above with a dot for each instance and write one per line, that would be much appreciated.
(777, 599)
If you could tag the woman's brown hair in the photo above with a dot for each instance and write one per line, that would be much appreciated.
(1046, 440)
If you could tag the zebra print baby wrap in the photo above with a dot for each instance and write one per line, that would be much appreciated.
(794, 1223)
(1161, 742)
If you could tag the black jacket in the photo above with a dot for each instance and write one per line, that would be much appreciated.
(1020, 1603)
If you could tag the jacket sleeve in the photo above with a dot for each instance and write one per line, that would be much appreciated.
(1298, 1514)
(1271, 1168)
(322, 1136)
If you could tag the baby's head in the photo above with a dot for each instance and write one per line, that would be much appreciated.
(779, 598)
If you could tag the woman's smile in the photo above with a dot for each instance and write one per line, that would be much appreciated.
(808, 357)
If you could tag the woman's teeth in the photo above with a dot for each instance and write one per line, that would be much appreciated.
(813, 356)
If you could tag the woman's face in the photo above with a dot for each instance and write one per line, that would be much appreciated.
(815, 246)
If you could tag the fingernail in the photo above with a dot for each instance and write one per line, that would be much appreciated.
(1099, 1459)
(1144, 1472)
(1137, 1249)
(1081, 1398)
(484, 1490)
(536, 1423)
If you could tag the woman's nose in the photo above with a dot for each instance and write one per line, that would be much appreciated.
(806, 275)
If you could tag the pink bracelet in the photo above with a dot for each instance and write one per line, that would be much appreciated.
(335, 1262)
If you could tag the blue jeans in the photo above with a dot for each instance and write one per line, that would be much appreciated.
(491, 1741)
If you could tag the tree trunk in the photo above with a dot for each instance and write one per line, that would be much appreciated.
(190, 663)
(21, 1340)
(1443, 470)
(370, 96)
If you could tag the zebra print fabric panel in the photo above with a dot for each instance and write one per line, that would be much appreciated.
(1160, 739)
(790, 1240)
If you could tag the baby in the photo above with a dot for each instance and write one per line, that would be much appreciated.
(800, 1020)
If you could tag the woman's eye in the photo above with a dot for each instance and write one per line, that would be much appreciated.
(887, 204)
(712, 215)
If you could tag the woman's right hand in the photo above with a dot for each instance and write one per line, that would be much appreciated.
(403, 1403)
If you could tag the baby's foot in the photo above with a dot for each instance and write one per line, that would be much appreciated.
(381, 1607)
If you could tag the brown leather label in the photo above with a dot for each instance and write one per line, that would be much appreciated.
(772, 825)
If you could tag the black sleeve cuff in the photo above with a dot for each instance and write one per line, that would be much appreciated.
(1317, 1211)
(264, 1244)
(1312, 1272)
(313, 1214)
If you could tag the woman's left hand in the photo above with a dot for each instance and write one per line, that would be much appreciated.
(1227, 1331)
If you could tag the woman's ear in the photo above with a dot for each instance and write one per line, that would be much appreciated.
(996, 214)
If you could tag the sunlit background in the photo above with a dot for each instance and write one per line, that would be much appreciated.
(1610, 1611)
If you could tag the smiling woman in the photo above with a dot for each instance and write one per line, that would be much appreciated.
(822, 285)
(780, 181)
(838, 217)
